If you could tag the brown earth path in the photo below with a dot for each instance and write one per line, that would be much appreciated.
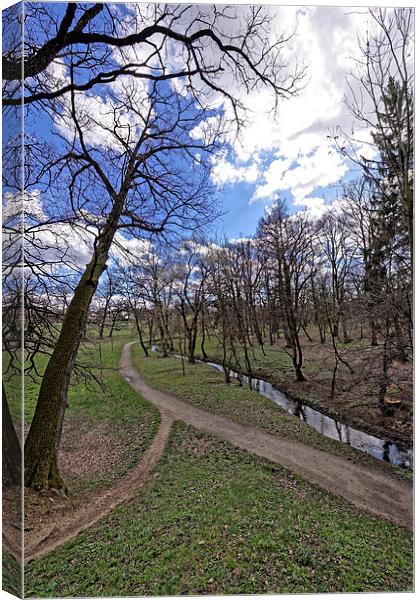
(100, 503)
(371, 489)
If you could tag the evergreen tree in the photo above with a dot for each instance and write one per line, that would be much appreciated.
(393, 177)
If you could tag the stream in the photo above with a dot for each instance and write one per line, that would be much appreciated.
(395, 453)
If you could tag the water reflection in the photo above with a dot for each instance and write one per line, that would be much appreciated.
(396, 454)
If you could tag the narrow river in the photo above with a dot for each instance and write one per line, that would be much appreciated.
(394, 453)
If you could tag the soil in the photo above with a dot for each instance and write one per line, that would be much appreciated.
(373, 490)
(51, 518)
(12, 519)
(93, 460)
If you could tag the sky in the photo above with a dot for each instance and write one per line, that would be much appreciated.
(289, 156)
(292, 157)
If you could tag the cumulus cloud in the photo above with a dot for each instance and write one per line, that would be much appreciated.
(130, 250)
(288, 152)
(291, 152)
(107, 120)
(57, 246)
(243, 240)
(315, 207)
(273, 179)
(320, 168)
(224, 172)
(17, 205)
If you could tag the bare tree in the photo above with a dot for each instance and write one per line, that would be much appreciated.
(285, 240)
(134, 180)
(143, 165)
(189, 285)
(381, 100)
(134, 40)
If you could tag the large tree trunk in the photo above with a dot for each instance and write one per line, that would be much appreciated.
(12, 456)
(43, 441)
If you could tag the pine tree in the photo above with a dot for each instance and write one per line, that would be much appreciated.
(393, 176)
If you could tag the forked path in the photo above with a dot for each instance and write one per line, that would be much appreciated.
(100, 503)
(374, 490)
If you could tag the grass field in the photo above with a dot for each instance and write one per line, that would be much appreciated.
(11, 574)
(214, 519)
(218, 520)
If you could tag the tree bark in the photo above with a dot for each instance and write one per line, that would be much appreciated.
(138, 326)
(12, 456)
(43, 441)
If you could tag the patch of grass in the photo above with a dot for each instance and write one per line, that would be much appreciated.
(11, 575)
(134, 421)
(101, 355)
(205, 388)
(220, 521)
(274, 359)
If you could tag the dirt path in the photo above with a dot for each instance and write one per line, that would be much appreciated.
(101, 503)
(368, 488)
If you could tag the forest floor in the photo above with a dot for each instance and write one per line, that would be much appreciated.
(355, 401)
(213, 518)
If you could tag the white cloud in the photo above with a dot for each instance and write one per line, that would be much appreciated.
(302, 158)
(315, 206)
(224, 172)
(287, 153)
(243, 240)
(28, 203)
(105, 119)
(130, 251)
(54, 246)
(322, 167)
(273, 179)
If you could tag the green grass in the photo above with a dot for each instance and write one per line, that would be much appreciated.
(134, 421)
(218, 520)
(205, 387)
(275, 360)
(275, 365)
(11, 574)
